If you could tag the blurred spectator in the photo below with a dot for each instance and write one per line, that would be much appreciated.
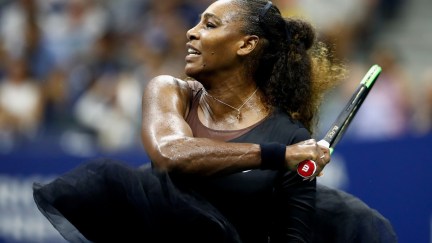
(21, 37)
(57, 115)
(14, 18)
(70, 28)
(21, 105)
(423, 115)
(110, 109)
(161, 39)
(126, 14)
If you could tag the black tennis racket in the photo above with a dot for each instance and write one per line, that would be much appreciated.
(308, 167)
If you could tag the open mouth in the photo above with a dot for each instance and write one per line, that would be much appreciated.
(192, 51)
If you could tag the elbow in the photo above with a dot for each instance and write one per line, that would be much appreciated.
(166, 158)
(163, 163)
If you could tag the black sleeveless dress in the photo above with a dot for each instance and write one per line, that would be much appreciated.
(105, 200)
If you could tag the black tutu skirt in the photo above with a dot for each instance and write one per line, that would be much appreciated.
(108, 201)
(341, 218)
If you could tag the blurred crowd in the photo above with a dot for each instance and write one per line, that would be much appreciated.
(73, 70)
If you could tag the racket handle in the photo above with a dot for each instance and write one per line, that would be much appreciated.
(308, 167)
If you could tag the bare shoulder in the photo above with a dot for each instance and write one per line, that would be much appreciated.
(165, 93)
(163, 85)
(167, 81)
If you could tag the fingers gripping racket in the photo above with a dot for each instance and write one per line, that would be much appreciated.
(308, 167)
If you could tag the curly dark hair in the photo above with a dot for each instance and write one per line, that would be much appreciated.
(290, 65)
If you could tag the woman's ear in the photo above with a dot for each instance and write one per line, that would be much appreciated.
(248, 44)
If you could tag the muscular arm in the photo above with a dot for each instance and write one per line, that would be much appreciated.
(169, 141)
(170, 144)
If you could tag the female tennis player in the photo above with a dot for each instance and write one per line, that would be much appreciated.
(224, 145)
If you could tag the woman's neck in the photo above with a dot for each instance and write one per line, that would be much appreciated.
(243, 111)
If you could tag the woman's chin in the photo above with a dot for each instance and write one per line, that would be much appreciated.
(190, 72)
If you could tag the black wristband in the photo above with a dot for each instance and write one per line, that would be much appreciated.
(272, 156)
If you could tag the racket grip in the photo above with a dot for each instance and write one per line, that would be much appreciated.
(308, 167)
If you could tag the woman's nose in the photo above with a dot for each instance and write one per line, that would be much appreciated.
(191, 34)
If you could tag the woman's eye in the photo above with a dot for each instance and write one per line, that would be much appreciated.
(210, 25)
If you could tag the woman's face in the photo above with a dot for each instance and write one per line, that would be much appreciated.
(214, 42)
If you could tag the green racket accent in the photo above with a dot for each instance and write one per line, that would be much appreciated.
(371, 76)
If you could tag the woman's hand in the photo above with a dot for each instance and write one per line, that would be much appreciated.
(307, 150)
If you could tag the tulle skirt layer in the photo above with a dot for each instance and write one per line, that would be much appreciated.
(107, 201)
